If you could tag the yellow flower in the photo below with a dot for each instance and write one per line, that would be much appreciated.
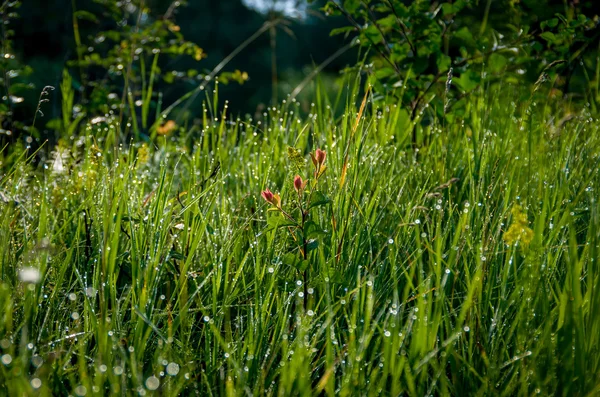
(519, 230)
(143, 154)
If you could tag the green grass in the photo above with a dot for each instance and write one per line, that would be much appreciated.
(162, 269)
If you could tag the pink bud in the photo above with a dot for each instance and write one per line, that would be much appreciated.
(271, 198)
(298, 183)
(320, 156)
(267, 195)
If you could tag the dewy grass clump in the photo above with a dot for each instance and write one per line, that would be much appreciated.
(227, 264)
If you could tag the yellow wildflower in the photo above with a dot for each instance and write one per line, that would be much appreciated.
(519, 230)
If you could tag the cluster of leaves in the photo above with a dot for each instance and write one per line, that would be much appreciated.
(121, 66)
(416, 48)
(125, 59)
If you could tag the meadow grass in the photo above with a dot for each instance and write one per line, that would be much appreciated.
(465, 266)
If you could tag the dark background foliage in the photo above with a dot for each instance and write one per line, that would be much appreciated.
(105, 49)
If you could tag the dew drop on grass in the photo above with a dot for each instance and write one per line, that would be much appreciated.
(391, 241)
(36, 383)
(80, 390)
(152, 383)
(37, 361)
(6, 359)
(173, 369)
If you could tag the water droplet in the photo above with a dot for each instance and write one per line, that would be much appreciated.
(173, 369)
(152, 383)
(80, 390)
(30, 275)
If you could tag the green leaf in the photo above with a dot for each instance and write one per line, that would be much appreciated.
(387, 22)
(54, 124)
(385, 72)
(548, 36)
(551, 23)
(443, 62)
(447, 9)
(294, 260)
(276, 221)
(312, 245)
(351, 5)
(465, 35)
(312, 230)
(497, 62)
(85, 15)
(318, 199)
(468, 81)
(342, 30)
(335, 276)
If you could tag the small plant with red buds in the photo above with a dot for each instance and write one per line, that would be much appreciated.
(318, 160)
(297, 218)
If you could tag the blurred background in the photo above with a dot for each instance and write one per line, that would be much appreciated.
(275, 62)
(131, 59)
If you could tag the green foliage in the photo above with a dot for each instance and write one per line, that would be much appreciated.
(128, 56)
(130, 268)
(414, 48)
(468, 266)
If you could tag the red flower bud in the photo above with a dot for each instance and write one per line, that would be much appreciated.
(271, 198)
(267, 195)
(320, 156)
(298, 183)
